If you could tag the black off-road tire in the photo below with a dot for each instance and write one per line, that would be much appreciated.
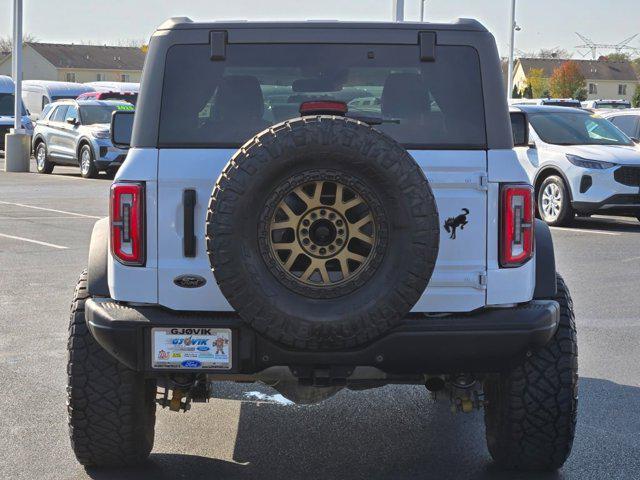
(530, 415)
(46, 166)
(246, 196)
(111, 409)
(566, 214)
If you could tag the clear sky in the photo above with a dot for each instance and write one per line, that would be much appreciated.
(545, 23)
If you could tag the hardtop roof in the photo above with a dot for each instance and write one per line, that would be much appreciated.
(185, 23)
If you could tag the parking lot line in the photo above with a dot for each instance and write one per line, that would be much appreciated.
(584, 230)
(51, 210)
(38, 242)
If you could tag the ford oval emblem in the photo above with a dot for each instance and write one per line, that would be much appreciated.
(189, 281)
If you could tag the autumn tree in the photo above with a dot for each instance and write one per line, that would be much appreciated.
(537, 82)
(635, 101)
(566, 79)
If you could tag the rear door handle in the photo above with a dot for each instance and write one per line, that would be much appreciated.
(189, 236)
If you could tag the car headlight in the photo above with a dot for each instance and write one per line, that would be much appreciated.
(100, 133)
(586, 163)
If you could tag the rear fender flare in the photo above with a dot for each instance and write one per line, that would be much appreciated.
(545, 262)
(97, 277)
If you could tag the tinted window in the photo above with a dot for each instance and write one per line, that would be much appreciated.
(7, 104)
(626, 123)
(92, 114)
(421, 104)
(576, 128)
(60, 113)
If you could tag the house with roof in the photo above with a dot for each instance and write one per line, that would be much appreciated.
(78, 63)
(603, 79)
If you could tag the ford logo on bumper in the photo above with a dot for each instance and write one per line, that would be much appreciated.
(189, 281)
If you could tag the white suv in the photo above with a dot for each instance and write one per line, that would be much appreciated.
(579, 163)
(261, 229)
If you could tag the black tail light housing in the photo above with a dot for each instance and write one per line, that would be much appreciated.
(516, 225)
(127, 219)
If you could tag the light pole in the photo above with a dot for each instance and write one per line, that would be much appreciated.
(398, 10)
(422, 2)
(512, 33)
(17, 142)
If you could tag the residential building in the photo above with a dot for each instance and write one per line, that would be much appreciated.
(78, 63)
(603, 79)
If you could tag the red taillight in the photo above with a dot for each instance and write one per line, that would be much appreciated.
(516, 225)
(323, 107)
(127, 223)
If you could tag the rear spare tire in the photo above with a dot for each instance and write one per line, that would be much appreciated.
(322, 232)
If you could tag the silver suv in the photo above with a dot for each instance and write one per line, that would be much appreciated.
(76, 132)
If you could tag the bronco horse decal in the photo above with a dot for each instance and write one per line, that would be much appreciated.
(453, 223)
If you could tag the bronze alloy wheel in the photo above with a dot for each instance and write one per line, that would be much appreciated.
(322, 233)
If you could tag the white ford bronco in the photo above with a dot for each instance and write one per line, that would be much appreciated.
(319, 206)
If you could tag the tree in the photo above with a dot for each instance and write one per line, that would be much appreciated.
(580, 94)
(515, 93)
(635, 101)
(527, 92)
(537, 82)
(566, 80)
(556, 52)
(616, 57)
(6, 43)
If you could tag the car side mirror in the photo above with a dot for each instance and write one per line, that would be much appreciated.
(72, 121)
(121, 128)
(635, 140)
(520, 129)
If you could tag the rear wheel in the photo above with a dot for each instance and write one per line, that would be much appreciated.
(530, 415)
(88, 167)
(43, 164)
(111, 409)
(554, 201)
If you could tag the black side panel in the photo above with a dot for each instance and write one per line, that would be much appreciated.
(545, 262)
(97, 283)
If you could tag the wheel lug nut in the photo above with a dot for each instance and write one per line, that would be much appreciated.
(322, 251)
(323, 212)
(305, 241)
(313, 247)
(314, 215)
(340, 232)
(332, 215)
(339, 241)
(339, 222)
(305, 231)
(306, 223)
(331, 248)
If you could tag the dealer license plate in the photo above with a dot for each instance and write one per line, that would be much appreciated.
(191, 348)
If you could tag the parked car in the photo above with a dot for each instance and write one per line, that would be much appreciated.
(558, 102)
(303, 260)
(627, 120)
(36, 94)
(606, 104)
(579, 163)
(76, 132)
(7, 109)
(127, 91)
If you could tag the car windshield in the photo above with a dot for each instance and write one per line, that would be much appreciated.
(420, 104)
(616, 105)
(93, 114)
(576, 128)
(7, 103)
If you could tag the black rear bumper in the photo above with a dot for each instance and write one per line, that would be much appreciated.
(487, 340)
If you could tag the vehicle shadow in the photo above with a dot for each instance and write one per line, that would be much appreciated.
(611, 224)
(399, 433)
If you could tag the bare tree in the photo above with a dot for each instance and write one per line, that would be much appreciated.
(555, 52)
(6, 43)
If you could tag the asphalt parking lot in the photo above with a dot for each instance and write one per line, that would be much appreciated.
(393, 432)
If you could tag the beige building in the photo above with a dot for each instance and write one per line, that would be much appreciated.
(603, 79)
(78, 63)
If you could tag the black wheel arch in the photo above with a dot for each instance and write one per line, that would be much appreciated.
(545, 262)
(97, 280)
(547, 171)
(37, 139)
(81, 143)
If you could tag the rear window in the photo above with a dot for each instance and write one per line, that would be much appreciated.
(224, 103)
